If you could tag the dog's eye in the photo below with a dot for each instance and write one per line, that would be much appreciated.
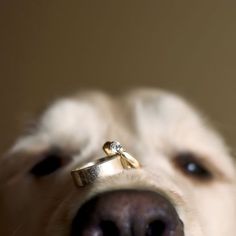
(191, 166)
(51, 163)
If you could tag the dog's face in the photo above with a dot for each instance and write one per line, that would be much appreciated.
(181, 158)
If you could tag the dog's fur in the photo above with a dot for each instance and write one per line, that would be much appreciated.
(155, 126)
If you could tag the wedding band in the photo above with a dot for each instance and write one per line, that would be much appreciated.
(116, 161)
(96, 170)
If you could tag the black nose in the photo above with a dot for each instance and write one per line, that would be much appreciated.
(127, 213)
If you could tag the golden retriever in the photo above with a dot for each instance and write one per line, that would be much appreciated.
(186, 185)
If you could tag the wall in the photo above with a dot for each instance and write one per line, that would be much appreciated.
(52, 48)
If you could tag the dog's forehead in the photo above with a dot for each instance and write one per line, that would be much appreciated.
(142, 112)
(154, 117)
(161, 107)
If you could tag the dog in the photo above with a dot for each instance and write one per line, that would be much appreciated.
(186, 184)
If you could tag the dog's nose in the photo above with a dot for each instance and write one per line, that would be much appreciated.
(127, 213)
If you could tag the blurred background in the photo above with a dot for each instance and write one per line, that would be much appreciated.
(51, 48)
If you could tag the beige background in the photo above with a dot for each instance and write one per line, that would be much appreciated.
(51, 48)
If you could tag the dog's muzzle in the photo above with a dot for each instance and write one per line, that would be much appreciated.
(127, 213)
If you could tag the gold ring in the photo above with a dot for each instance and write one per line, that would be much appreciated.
(116, 161)
(112, 148)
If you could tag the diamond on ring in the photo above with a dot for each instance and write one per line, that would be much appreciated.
(116, 147)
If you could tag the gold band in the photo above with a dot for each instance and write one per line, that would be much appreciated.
(116, 162)
(96, 170)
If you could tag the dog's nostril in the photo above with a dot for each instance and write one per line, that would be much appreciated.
(109, 228)
(156, 228)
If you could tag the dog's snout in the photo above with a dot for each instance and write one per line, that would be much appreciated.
(127, 212)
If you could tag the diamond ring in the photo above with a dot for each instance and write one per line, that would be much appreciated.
(114, 147)
(116, 161)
